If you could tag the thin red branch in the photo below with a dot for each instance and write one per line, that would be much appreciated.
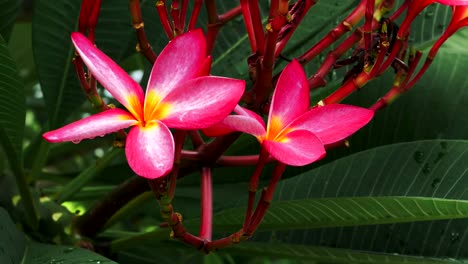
(295, 16)
(195, 12)
(175, 14)
(346, 25)
(257, 25)
(265, 199)
(253, 185)
(164, 18)
(206, 204)
(183, 13)
(248, 24)
(143, 46)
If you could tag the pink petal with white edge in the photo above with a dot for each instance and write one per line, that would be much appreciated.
(110, 75)
(298, 148)
(334, 122)
(181, 60)
(246, 112)
(150, 150)
(92, 126)
(202, 102)
(291, 96)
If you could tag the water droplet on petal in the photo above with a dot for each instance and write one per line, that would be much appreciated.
(76, 141)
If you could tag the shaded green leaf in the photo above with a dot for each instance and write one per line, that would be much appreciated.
(41, 253)
(433, 168)
(333, 212)
(12, 242)
(15, 249)
(12, 106)
(8, 11)
(52, 25)
(324, 254)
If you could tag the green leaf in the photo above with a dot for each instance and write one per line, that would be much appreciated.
(12, 242)
(8, 11)
(52, 25)
(41, 253)
(12, 105)
(335, 212)
(433, 168)
(15, 249)
(324, 254)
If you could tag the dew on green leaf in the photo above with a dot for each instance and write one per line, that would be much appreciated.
(435, 182)
(418, 156)
(68, 250)
(426, 168)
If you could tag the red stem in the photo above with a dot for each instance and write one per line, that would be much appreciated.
(179, 138)
(297, 13)
(89, 88)
(195, 12)
(318, 80)
(265, 200)
(230, 14)
(143, 46)
(206, 204)
(346, 25)
(175, 14)
(253, 185)
(164, 18)
(248, 24)
(213, 24)
(257, 25)
(197, 140)
(399, 11)
(367, 28)
(183, 13)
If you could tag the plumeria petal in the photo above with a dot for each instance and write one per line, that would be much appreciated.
(200, 103)
(150, 150)
(246, 112)
(205, 68)
(110, 75)
(297, 148)
(245, 121)
(237, 123)
(180, 61)
(334, 122)
(291, 96)
(92, 126)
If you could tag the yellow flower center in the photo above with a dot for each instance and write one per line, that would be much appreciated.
(155, 109)
(276, 130)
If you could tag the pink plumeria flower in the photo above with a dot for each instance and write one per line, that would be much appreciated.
(178, 96)
(295, 135)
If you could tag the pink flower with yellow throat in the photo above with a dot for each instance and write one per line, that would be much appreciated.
(294, 134)
(179, 95)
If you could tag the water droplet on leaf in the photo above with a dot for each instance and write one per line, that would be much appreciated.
(418, 156)
(426, 168)
(68, 250)
(435, 182)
